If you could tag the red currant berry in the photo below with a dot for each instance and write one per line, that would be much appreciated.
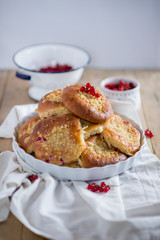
(92, 93)
(121, 88)
(32, 178)
(148, 133)
(38, 139)
(103, 184)
(97, 95)
(92, 88)
(82, 88)
(87, 90)
(88, 85)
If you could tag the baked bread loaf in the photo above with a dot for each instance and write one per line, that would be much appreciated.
(25, 138)
(59, 139)
(90, 129)
(75, 164)
(51, 104)
(98, 154)
(85, 105)
(120, 134)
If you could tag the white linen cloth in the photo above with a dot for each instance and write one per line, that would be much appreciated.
(67, 210)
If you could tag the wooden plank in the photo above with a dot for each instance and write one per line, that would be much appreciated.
(3, 81)
(6, 144)
(150, 89)
(13, 91)
(144, 126)
(10, 229)
(16, 93)
(28, 235)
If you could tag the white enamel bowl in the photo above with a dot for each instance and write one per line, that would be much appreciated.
(79, 174)
(30, 59)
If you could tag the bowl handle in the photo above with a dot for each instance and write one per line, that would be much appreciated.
(22, 76)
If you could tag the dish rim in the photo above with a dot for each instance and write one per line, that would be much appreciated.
(51, 43)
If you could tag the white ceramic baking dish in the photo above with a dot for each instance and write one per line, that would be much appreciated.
(78, 174)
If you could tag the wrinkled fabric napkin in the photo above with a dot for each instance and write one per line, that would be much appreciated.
(67, 210)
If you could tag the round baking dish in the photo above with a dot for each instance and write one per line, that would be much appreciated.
(76, 174)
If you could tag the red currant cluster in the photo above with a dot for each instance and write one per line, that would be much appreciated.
(148, 133)
(98, 188)
(120, 86)
(56, 68)
(32, 178)
(90, 89)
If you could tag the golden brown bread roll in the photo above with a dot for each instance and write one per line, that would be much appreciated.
(86, 106)
(98, 154)
(51, 104)
(59, 139)
(25, 138)
(91, 128)
(120, 134)
(75, 164)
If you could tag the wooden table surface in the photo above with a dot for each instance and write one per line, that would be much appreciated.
(14, 91)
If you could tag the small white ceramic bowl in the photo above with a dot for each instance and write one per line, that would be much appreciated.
(132, 96)
(30, 59)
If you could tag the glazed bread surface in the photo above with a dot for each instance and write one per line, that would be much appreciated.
(51, 104)
(98, 154)
(59, 139)
(120, 134)
(25, 138)
(75, 164)
(86, 106)
(91, 128)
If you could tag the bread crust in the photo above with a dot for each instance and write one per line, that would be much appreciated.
(120, 134)
(59, 139)
(51, 104)
(98, 154)
(90, 129)
(85, 106)
(73, 164)
(25, 138)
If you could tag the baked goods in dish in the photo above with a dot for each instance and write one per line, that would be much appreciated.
(78, 129)
(25, 138)
(51, 104)
(59, 139)
(75, 164)
(91, 128)
(98, 154)
(85, 105)
(77, 174)
(120, 134)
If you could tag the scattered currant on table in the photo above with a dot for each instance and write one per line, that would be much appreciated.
(32, 178)
(98, 188)
(148, 133)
